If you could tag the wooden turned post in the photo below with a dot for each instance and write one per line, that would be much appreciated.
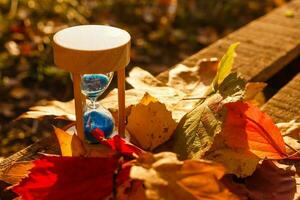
(93, 49)
(121, 102)
(78, 105)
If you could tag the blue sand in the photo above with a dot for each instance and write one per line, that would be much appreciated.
(95, 119)
(94, 84)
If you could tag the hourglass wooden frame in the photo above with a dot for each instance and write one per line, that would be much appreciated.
(92, 49)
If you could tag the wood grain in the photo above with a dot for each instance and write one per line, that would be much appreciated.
(267, 44)
(121, 102)
(285, 104)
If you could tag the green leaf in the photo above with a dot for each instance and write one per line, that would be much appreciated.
(196, 131)
(225, 66)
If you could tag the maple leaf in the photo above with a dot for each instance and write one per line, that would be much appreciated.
(150, 123)
(166, 178)
(56, 177)
(247, 128)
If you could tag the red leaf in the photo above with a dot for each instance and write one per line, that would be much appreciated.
(117, 143)
(76, 178)
(247, 128)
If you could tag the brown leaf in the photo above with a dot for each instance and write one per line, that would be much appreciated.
(150, 123)
(62, 110)
(15, 172)
(191, 80)
(271, 180)
(291, 136)
(165, 177)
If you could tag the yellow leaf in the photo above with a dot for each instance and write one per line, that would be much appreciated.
(254, 93)
(167, 178)
(242, 164)
(16, 172)
(70, 144)
(150, 123)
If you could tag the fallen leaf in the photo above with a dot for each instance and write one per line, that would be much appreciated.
(140, 79)
(62, 110)
(248, 128)
(15, 172)
(56, 177)
(118, 144)
(291, 128)
(240, 163)
(271, 180)
(291, 136)
(130, 190)
(69, 143)
(254, 93)
(196, 131)
(193, 81)
(289, 13)
(150, 123)
(165, 177)
(225, 66)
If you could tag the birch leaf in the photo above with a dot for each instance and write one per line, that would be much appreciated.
(150, 123)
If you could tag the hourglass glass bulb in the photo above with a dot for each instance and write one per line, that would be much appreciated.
(96, 116)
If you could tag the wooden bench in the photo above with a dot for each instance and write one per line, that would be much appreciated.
(268, 45)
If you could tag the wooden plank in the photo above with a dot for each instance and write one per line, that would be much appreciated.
(46, 145)
(267, 44)
(285, 104)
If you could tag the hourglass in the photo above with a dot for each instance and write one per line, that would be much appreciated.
(91, 53)
(95, 115)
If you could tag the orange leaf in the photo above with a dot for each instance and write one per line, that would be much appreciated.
(247, 128)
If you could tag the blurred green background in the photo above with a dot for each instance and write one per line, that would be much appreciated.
(163, 33)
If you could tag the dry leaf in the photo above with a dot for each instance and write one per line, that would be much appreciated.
(254, 93)
(69, 143)
(130, 190)
(150, 123)
(62, 110)
(191, 80)
(140, 79)
(291, 136)
(240, 163)
(291, 128)
(271, 180)
(16, 172)
(247, 128)
(167, 178)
